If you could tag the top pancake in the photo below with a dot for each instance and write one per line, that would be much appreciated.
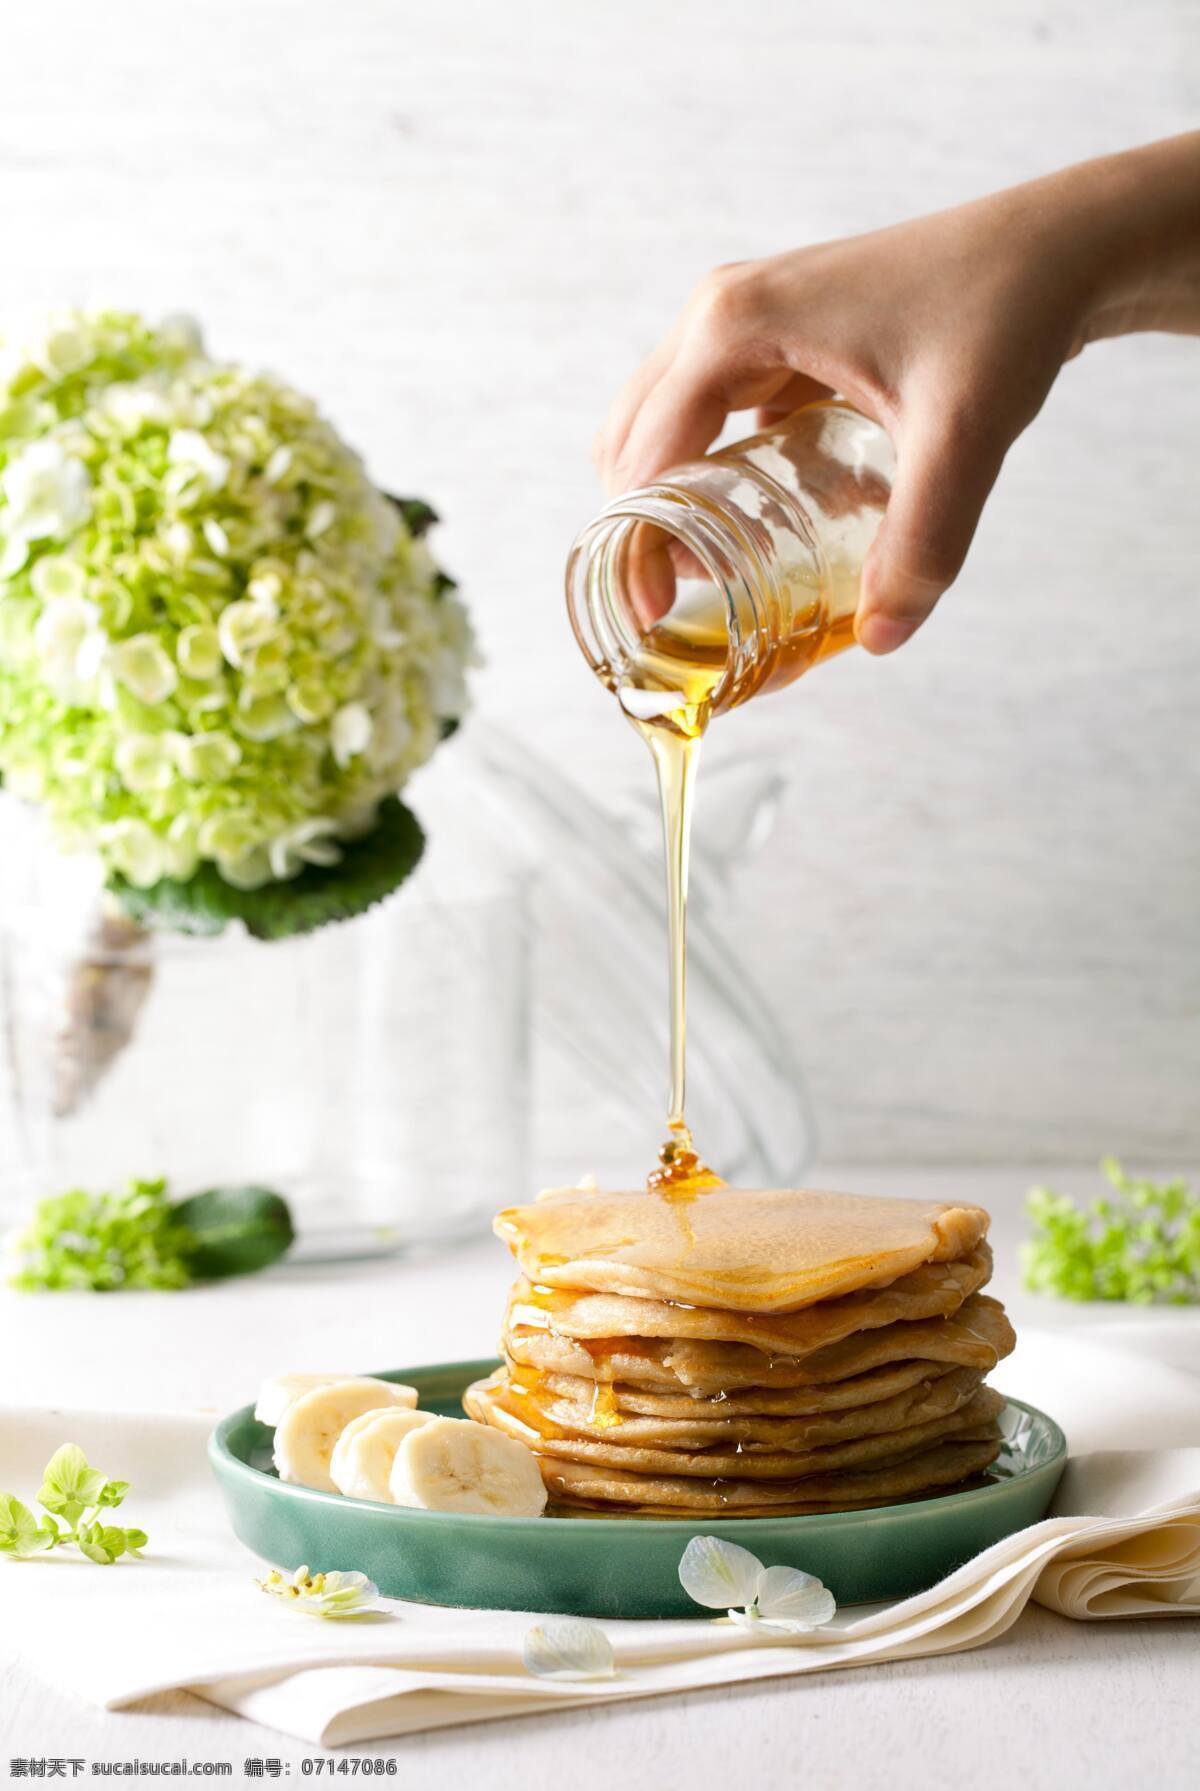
(736, 1249)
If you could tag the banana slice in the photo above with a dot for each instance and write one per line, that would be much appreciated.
(454, 1464)
(276, 1395)
(361, 1463)
(306, 1434)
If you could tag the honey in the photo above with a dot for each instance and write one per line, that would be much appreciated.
(728, 577)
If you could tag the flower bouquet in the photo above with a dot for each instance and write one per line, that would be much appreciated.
(223, 650)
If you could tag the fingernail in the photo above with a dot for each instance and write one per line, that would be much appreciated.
(880, 633)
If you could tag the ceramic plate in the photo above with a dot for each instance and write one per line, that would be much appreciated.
(617, 1567)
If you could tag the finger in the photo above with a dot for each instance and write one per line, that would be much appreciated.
(649, 574)
(944, 476)
(686, 410)
(611, 439)
(798, 391)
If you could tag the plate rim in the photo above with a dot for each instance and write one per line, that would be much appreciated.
(224, 1461)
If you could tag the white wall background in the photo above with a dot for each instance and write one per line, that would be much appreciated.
(462, 224)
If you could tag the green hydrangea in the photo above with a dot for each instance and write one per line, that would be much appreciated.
(219, 642)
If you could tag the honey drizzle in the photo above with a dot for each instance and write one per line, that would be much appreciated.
(674, 738)
(605, 1413)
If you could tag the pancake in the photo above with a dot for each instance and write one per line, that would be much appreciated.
(484, 1401)
(934, 1290)
(553, 1413)
(977, 1336)
(738, 1249)
(781, 1402)
(576, 1484)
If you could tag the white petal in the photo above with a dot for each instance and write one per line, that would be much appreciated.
(14, 556)
(277, 465)
(568, 1648)
(322, 516)
(188, 449)
(718, 1574)
(766, 1632)
(54, 577)
(216, 537)
(785, 1595)
(350, 732)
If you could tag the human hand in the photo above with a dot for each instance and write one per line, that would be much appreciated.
(949, 331)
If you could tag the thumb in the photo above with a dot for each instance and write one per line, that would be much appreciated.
(942, 482)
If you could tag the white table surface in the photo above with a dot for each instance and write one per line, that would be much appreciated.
(1053, 1704)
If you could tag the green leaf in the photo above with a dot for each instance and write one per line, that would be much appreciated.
(135, 1542)
(101, 1242)
(370, 869)
(419, 517)
(234, 1230)
(20, 1533)
(1138, 1244)
(69, 1485)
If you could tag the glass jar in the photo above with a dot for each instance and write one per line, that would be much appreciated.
(733, 574)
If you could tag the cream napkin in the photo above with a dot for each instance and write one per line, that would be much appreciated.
(1124, 1540)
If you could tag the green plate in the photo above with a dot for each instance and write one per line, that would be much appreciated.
(624, 1566)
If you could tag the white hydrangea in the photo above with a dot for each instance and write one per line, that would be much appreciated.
(220, 642)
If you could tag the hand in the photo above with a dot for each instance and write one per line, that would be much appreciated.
(949, 331)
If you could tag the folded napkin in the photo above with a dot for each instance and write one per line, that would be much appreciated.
(1123, 1541)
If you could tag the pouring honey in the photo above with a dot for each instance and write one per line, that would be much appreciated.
(726, 578)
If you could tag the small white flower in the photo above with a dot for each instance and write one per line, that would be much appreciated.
(55, 576)
(265, 589)
(321, 517)
(310, 699)
(265, 717)
(383, 627)
(179, 542)
(242, 626)
(143, 665)
(47, 492)
(63, 348)
(324, 1594)
(192, 451)
(144, 762)
(134, 404)
(251, 871)
(198, 651)
(308, 842)
(568, 1648)
(775, 1601)
(72, 645)
(277, 466)
(134, 849)
(180, 852)
(350, 732)
(216, 537)
(226, 836)
(206, 758)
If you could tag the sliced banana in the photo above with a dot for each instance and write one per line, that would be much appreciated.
(276, 1395)
(361, 1463)
(454, 1464)
(310, 1427)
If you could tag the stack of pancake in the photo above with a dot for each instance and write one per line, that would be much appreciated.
(747, 1352)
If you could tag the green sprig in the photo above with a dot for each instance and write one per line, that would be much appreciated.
(77, 1494)
(138, 1237)
(1141, 1244)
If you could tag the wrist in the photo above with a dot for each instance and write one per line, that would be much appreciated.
(1133, 221)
